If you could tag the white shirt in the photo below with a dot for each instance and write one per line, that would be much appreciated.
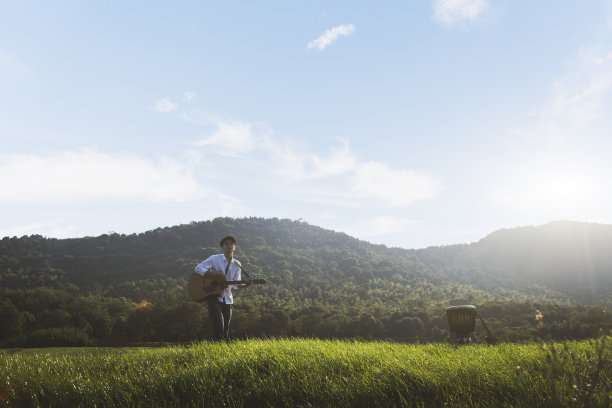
(219, 263)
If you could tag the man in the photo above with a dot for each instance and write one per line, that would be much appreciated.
(220, 309)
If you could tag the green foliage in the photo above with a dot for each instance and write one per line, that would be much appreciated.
(306, 373)
(562, 260)
(130, 289)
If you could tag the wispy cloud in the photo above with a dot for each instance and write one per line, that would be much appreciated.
(578, 98)
(87, 174)
(297, 163)
(167, 105)
(340, 176)
(331, 35)
(230, 137)
(394, 187)
(340, 161)
(231, 206)
(188, 96)
(449, 12)
(557, 179)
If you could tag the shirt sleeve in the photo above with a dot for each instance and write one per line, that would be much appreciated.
(204, 266)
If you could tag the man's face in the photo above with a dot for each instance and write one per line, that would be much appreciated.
(228, 246)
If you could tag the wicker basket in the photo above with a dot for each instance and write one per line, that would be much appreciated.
(461, 319)
(462, 322)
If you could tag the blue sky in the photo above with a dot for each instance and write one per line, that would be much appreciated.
(405, 123)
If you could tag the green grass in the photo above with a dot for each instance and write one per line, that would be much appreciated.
(311, 373)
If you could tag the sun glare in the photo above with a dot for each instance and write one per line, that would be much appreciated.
(563, 189)
(562, 192)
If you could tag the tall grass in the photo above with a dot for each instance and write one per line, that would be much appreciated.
(311, 373)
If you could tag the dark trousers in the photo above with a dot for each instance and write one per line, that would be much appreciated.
(220, 315)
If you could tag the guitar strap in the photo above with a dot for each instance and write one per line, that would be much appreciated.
(241, 270)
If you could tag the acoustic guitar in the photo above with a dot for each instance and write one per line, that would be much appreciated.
(212, 285)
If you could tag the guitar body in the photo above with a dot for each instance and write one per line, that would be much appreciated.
(211, 285)
(201, 288)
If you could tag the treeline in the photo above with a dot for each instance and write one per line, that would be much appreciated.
(47, 317)
(130, 289)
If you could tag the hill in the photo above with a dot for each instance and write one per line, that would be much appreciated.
(131, 288)
(568, 260)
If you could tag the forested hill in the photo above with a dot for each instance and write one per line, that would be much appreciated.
(126, 288)
(270, 248)
(573, 260)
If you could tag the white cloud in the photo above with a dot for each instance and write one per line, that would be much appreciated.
(188, 96)
(353, 179)
(449, 12)
(87, 174)
(331, 35)
(165, 105)
(231, 206)
(288, 160)
(577, 99)
(298, 164)
(230, 137)
(362, 180)
(340, 177)
(393, 187)
(339, 162)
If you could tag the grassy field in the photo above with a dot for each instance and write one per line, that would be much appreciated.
(311, 373)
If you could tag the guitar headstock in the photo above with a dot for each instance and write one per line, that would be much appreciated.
(257, 281)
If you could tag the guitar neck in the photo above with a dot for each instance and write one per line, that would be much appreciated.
(241, 282)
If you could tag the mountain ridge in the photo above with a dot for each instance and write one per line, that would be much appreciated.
(319, 283)
(560, 255)
(567, 256)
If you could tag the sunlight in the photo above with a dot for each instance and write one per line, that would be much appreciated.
(560, 191)
(563, 190)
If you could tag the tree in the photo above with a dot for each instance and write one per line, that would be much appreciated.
(11, 322)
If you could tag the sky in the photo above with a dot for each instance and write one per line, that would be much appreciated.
(404, 123)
